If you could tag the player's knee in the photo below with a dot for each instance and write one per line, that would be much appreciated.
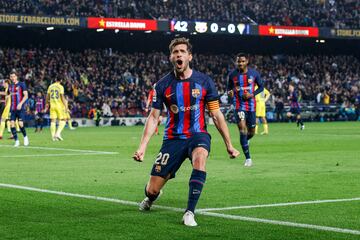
(199, 157)
(243, 132)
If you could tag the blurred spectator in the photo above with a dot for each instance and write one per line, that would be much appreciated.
(320, 13)
(119, 83)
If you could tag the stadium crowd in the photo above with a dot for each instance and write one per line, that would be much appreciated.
(320, 13)
(118, 83)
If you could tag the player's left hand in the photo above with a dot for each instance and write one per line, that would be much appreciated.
(247, 96)
(18, 107)
(233, 153)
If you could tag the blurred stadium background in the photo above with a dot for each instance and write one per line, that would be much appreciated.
(112, 51)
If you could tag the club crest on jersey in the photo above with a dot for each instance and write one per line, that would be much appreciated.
(251, 79)
(174, 108)
(195, 92)
(158, 168)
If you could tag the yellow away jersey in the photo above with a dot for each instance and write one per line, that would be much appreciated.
(54, 91)
(262, 96)
(7, 99)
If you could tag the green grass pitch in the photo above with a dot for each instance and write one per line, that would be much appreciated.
(320, 163)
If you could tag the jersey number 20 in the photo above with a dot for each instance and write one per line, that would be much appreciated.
(162, 158)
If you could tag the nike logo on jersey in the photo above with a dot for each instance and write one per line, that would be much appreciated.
(167, 96)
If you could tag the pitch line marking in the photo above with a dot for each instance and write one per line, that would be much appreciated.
(53, 155)
(218, 215)
(279, 204)
(62, 149)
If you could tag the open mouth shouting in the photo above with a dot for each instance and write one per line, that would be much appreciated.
(179, 63)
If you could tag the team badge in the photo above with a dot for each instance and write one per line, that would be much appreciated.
(251, 79)
(195, 92)
(174, 108)
(201, 27)
(158, 168)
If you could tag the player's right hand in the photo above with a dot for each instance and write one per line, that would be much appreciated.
(139, 155)
(233, 153)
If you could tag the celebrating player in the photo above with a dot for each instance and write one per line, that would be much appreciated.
(186, 93)
(241, 84)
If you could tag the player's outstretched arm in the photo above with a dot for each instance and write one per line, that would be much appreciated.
(149, 130)
(223, 129)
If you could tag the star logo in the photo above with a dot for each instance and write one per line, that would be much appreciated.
(271, 30)
(102, 23)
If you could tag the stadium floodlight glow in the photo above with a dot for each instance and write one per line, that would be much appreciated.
(116, 30)
(148, 31)
(193, 33)
(19, 26)
(100, 30)
(317, 40)
(322, 41)
(280, 36)
(50, 28)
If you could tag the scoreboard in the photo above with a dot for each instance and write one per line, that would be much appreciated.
(194, 27)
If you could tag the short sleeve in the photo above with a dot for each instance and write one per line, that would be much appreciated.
(211, 91)
(258, 80)
(157, 99)
(62, 90)
(230, 83)
(23, 87)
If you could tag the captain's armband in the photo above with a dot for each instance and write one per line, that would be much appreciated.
(213, 105)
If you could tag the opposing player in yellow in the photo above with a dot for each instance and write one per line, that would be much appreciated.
(261, 99)
(58, 108)
(4, 105)
(68, 116)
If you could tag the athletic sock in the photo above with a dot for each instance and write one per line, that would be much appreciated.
(2, 128)
(196, 183)
(23, 131)
(245, 145)
(53, 128)
(60, 127)
(266, 128)
(14, 133)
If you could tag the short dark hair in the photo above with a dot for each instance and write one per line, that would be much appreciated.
(13, 72)
(239, 55)
(178, 41)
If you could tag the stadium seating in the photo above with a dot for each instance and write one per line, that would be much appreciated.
(320, 13)
(121, 81)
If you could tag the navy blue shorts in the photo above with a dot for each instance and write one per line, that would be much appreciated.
(249, 117)
(17, 114)
(295, 111)
(173, 153)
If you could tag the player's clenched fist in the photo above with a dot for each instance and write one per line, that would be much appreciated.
(233, 153)
(139, 156)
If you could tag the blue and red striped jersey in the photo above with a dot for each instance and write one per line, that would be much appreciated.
(17, 94)
(40, 104)
(294, 103)
(240, 83)
(185, 101)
